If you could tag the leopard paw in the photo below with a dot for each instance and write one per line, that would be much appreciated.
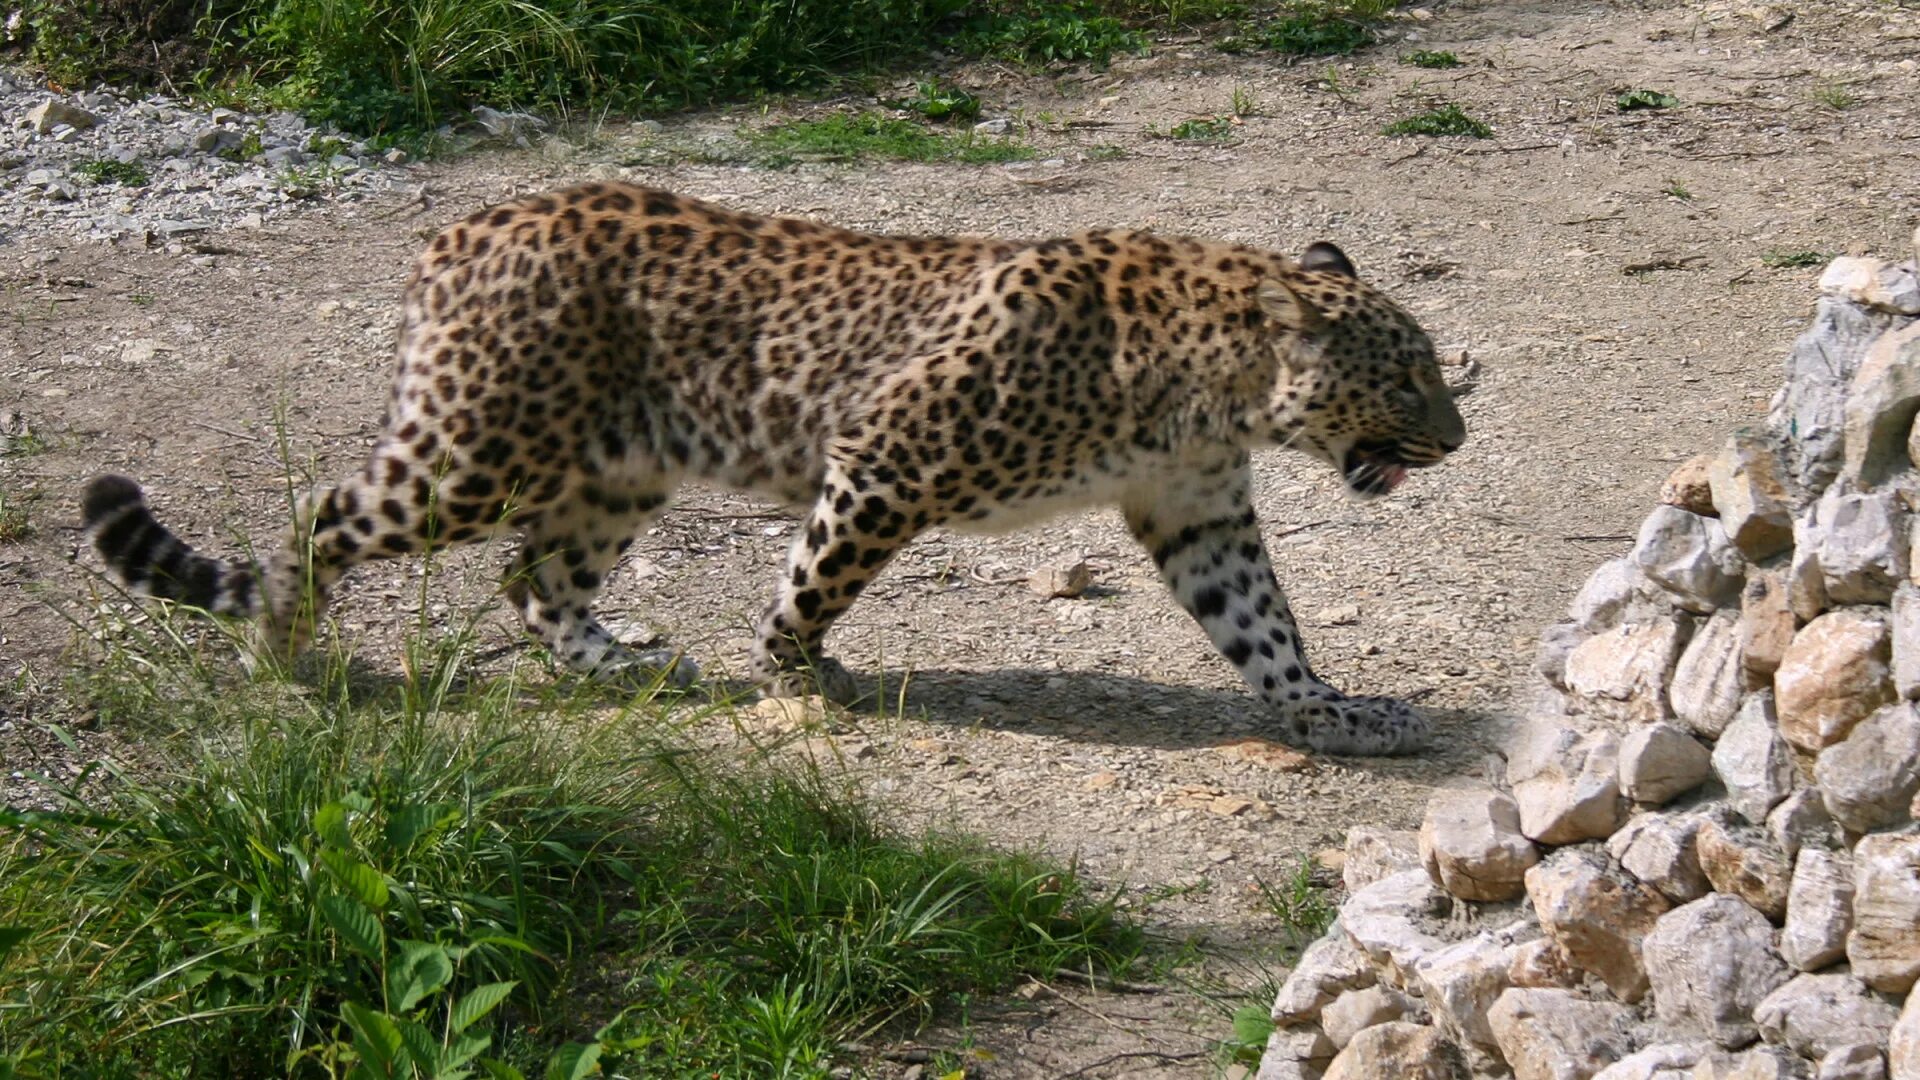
(662, 669)
(1367, 726)
(823, 676)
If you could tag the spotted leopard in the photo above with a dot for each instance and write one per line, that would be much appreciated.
(567, 360)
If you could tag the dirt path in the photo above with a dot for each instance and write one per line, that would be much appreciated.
(1091, 727)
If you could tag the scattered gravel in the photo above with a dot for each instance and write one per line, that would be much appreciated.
(111, 167)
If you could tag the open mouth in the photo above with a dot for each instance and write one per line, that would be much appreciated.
(1374, 468)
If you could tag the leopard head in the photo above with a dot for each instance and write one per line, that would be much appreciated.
(1357, 385)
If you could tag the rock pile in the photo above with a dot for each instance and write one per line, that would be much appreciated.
(108, 166)
(1703, 861)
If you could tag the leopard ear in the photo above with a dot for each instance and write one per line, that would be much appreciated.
(1325, 257)
(1283, 305)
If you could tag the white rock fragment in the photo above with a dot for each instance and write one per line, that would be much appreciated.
(1659, 763)
(1870, 777)
(1627, 673)
(1597, 916)
(1471, 845)
(1710, 675)
(1557, 1035)
(1819, 909)
(1459, 983)
(1660, 850)
(1690, 557)
(1709, 963)
(1884, 947)
(1754, 764)
(1566, 785)
(1815, 1014)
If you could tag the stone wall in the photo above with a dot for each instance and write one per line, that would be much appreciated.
(1702, 861)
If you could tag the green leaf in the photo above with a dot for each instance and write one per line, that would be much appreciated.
(479, 1001)
(363, 881)
(330, 821)
(10, 937)
(573, 1061)
(421, 969)
(409, 823)
(464, 1049)
(500, 1070)
(357, 926)
(421, 1046)
(376, 1036)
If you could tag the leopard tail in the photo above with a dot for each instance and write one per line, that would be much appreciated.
(149, 560)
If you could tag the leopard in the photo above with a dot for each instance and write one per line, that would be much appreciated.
(567, 360)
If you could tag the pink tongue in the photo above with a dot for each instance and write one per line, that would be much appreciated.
(1394, 475)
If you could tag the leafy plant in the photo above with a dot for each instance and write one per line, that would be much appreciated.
(1205, 128)
(111, 171)
(1835, 96)
(1645, 99)
(1037, 32)
(1677, 190)
(1445, 119)
(1428, 58)
(939, 102)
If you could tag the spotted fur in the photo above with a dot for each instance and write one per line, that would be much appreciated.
(567, 360)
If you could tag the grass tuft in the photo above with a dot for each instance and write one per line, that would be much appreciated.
(1428, 58)
(855, 136)
(438, 873)
(1634, 100)
(1203, 129)
(1037, 32)
(1446, 119)
(110, 171)
(1783, 259)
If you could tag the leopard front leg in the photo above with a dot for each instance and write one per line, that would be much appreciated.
(1206, 540)
(850, 535)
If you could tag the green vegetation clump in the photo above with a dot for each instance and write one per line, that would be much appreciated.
(109, 171)
(1793, 260)
(1634, 100)
(1205, 128)
(1036, 31)
(447, 875)
(1427, 58)
(1315, 28)
(854, 136)
(1443, 120)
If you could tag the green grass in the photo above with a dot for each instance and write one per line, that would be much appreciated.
(109, 171)
(936, 101)
(1040, 32)
(1677, 190)
(411, 877)
(1634, 100)
(1445, 119)
(1785, 259)
(15, 526)
(1314, 28)
(855, 136)
(1835, 96)
(1203, 129)
(1428, 58)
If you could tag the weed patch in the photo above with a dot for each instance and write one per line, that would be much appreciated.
(1446, 119)
(854, 136)
(1635, 100)
(1315, 28)
(1205, 129)
(110, 171)
(1781, 259)
(1427, 58)
(1032, 31)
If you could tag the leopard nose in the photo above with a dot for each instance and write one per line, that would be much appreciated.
(1452, 441)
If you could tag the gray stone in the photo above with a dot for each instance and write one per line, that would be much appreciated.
(1541, 963)
(1459, 983)
(1806, 585)
(1597, 916)
(1801, 821)
(1859, 1061)
(1884, 946)
(1557, 642)
(1906, 640)
(47, 115)
(1375, 854)
(1625, 673)
(1835, 674)
(1872, 283)
(1819, 909)
(1471, 845)
(1810, 412)
(1357, 1010)
(1903, 1046)
(1743, 861)
(1814, 1014)
(1329, 967)
(1709, 963)
(1659, 849)
(1710, 676)
(1881, 405)
(1398, 1050)
(1760, 1063)
(1659, 763)
(1294, 1052)
(1556, 1035)
(217, 140)
(1566, 785)
(1860, 541)
(1751, 493)
(1753, 762)
(1619, 591)
(1869, 778)
(1390, 921)
(1690, 557)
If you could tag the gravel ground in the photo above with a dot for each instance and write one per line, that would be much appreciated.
(1612, 274)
